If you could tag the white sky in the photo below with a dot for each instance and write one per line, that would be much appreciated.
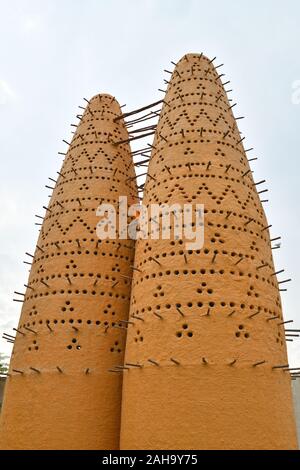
(55, 52)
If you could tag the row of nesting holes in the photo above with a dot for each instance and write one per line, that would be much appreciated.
(155, 184)
(190, 252)
(77, 291)
(79, 252)
(210, 304)
(98, 276)
(71, 321)
(202, 271)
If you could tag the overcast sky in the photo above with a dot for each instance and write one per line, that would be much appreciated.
(55, 52)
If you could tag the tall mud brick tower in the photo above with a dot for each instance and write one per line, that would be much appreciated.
(60, 393)
(206, 354)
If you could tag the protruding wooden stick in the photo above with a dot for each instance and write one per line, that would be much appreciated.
(179, 311)
(263, 191)
(259, 182)
(277, 272)
(230, 314)
(158, 315)
(168, 169)
(248, 221)
(155, 260)
(273, 318)
(28, 286)
(285, 322)
(246, 173)
(266, 228)
(127, 322)
(9, 336)
(258, 363)
(160, 135)
(153, 362)
(29, 329)
(19, 331)
(9, 340)
(175, 361)
(138, 318)
(262, 266)
(35, 370)
(136, 269)
(254, 314)
(232, 362)
(207, 314)
(124, 115)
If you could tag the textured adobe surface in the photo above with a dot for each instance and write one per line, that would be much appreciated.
(79, 288)
(222, 391)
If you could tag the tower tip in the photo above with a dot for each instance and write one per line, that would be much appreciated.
(107, 100)
(191, 56)
(105, 97)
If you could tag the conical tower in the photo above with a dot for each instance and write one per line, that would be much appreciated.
(60, 393)
(206, 353)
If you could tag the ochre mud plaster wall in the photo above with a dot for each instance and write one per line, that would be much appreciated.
(60, 394)
(207, 323)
